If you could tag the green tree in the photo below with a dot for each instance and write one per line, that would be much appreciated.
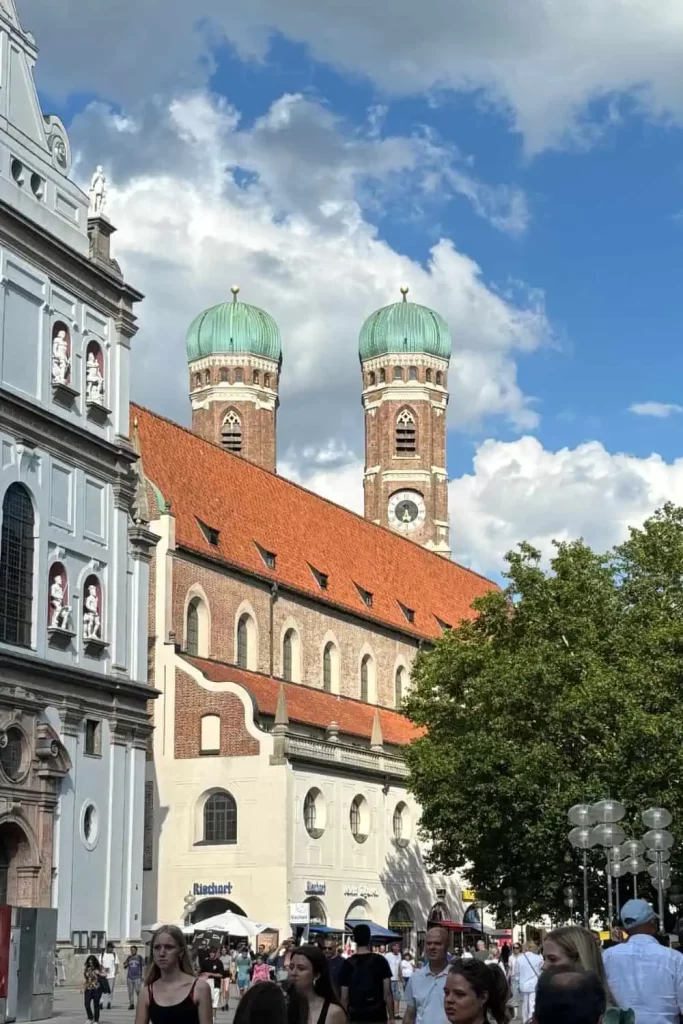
(567, 687)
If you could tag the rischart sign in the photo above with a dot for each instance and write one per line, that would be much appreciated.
(211, 889)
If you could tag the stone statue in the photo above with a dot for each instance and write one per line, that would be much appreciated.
(61, 364)
(98, 192)
(92, 621)
(61, 612)
(94, 381)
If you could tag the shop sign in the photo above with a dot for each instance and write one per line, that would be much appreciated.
(468, 895)
(316, 888)
(212, 889)
(299, 913)
(363, 891)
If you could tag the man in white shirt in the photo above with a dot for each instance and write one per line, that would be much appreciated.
(643, 975)
(393, 958)
(425, 991)
(110, 964)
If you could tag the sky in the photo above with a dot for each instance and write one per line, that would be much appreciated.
(518, 166)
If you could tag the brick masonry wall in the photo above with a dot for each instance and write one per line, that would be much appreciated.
(258, 429)
(192, 702)
(314, 622)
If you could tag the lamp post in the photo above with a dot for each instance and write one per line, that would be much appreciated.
(633, 850)
(608, 833)
(510, 895)
(658, 842)
(581, 838)
(570, 901)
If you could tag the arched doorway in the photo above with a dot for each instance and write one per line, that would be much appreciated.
(359, 911)
(401, 921)
(318, 912)
(213, 906)
(18, 851)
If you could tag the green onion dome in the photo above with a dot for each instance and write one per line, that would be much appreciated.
(234, 327)
(404, 327)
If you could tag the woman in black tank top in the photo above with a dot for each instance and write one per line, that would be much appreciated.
(310, 974)
(171, 993)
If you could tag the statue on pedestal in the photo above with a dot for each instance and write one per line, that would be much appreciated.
(92, 620)
(94, 381)
(61, 612)
(61, 364)
(98, 192)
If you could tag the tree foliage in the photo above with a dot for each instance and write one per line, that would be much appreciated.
(567, 687)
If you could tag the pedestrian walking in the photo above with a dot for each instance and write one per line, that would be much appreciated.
(93, 976)
(642, 974)
(569, 995)
(310, 976)
(407, 968)
(171, 993)
(366, 982)
(528, 969)
(335, 961)
(214, 972)
(475, 993)
(110, 965)
(393, 958)
(261, 971)
(424, 994)
(242, 970)
(133, 965)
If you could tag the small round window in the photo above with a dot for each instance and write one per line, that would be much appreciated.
(12, 753)
(90, 825)
(359, 819)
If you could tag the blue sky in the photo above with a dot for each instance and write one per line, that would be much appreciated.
(543, 158)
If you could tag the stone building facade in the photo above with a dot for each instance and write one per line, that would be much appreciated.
(75, 549)
(284, 629)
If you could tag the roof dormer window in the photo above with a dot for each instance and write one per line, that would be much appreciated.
(269, 557)
(408, 612)
(365, 595)
(211, 534)
(444, 626)
(321, 578)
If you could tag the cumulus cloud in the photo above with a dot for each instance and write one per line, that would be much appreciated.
(279, 207)
(521, 491)
(557, 71)
(660, 410)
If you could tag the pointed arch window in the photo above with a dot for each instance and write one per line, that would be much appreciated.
(327, 668)
(399, 686)
(288, 655)
(232, 432)
(192, 630)
(406, 433)
(243, 642)
(220, 819)
(16, 567)
(365, 678)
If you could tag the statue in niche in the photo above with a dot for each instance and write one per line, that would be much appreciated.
(61, 612)
(94, 380)
(92, 620)
(61, 364)
(98, 192)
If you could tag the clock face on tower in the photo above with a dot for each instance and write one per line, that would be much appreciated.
(406, 510)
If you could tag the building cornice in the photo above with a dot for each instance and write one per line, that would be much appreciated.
(39, 677)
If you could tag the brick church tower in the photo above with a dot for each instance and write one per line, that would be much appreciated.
(405, 349)
(234, 353)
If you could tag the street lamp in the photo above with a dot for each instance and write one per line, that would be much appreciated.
(510, 895)
(581, 838)
(633, 850)
(658, 841)
(570, 901)
(608, 833)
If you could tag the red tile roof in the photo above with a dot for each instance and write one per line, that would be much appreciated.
(310, 706)
(250, 506)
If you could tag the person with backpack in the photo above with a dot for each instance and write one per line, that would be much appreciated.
(365, 982)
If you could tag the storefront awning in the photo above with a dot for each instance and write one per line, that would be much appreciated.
(376, 930)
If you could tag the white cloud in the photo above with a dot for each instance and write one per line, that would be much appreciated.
(201, 203)
(547, 66)
(520, 491)
(658, 409)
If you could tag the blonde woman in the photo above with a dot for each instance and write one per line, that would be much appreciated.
(573, 945)
(171, 993)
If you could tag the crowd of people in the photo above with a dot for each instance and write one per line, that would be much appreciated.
(571, 980)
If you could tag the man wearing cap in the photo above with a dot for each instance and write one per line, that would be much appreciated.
(643, 975)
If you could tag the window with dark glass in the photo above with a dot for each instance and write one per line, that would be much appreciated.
(371, 379)
(266, 380)
(243, 642)
(398, 687)
(365, 596)
(429, 376)
(239, 375)
(223, 374)
(12, 754)
(220, 819)
(382, 376)
(287, 647)
(93, 737)
(398, 822)
(412, 373)
(439, 377)
(16, 567)
(327, 667)
(192, 631)
(207, 376)
(365, 678)
(310, 813)
(398, 373)
(256, 377)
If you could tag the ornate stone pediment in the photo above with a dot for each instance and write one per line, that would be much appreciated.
(51, 753)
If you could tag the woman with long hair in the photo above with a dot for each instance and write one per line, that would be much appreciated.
(93, 973)
(266, 1003)
(475, 992)
(171, 993)
(310, 975)
(573, 945)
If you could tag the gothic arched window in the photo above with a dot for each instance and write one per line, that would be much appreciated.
(266, 380)
(382, 376)
(192, 630)
(220, 819)
(327, 668)
(232, 432)
(398, 373)
(399, 686)
(16, 567)
(429, 376)
(256, 377)
(412, 373)
(439, 378)
(371, 379)
(243, 642)
(207, 376)
(406, 433)
(365, 678)
(287, 655)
